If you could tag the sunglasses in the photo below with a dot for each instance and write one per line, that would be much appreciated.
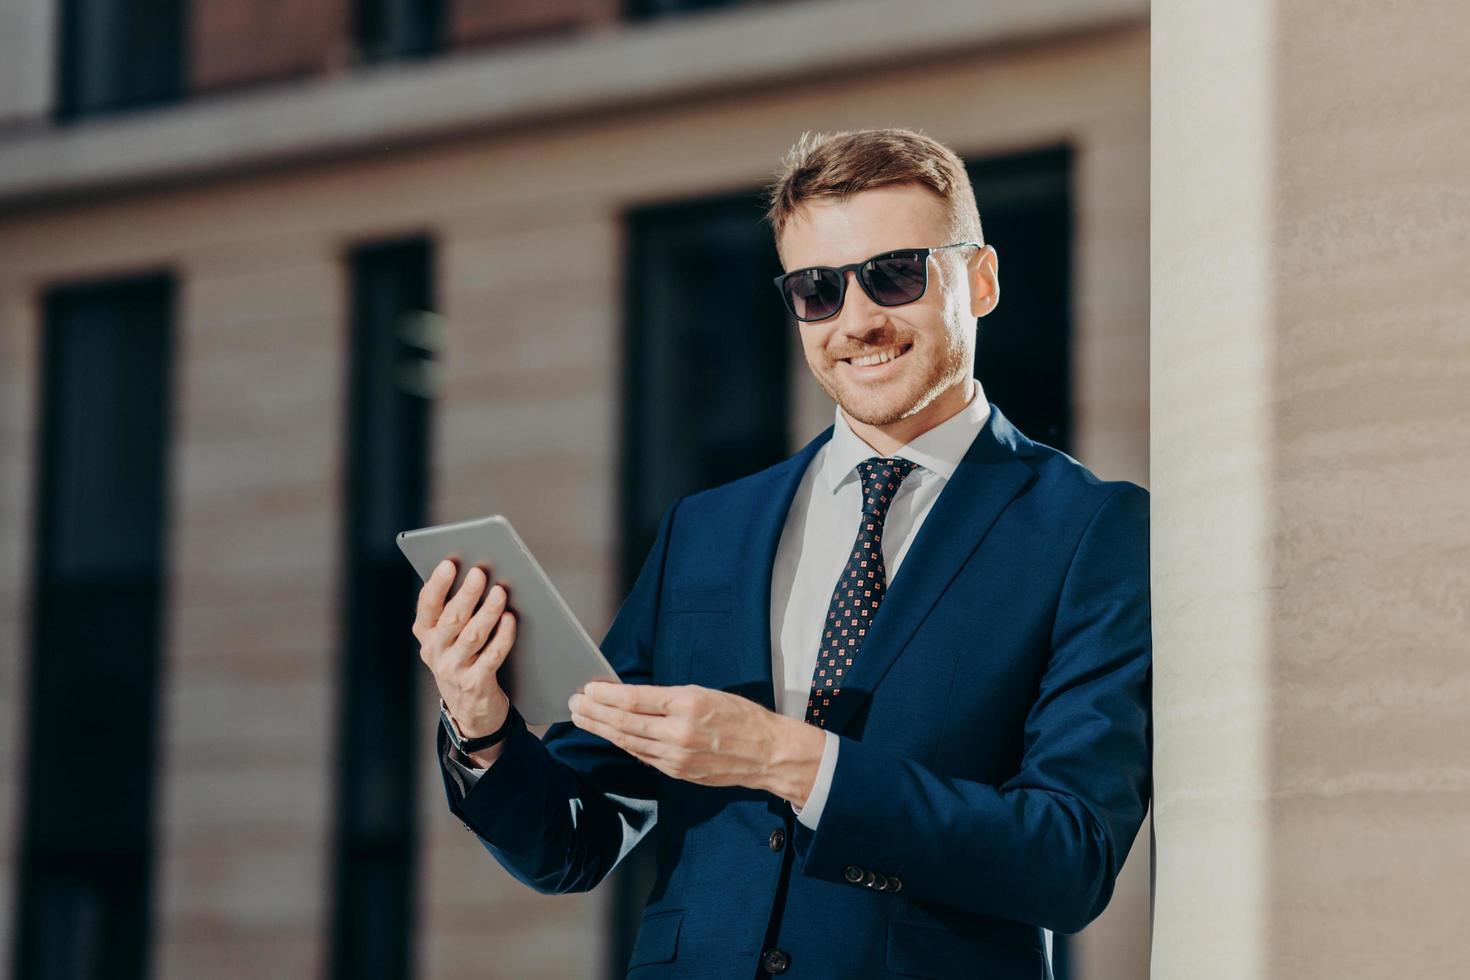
(890, 279)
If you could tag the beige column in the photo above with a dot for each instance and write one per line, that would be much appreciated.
(1310, 473)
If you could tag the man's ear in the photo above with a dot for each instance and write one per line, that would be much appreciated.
(984, 271)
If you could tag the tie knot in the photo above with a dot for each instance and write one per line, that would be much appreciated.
(881, 476)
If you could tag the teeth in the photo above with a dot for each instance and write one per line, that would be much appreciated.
(872, 359)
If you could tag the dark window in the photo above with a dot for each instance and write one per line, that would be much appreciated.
(706, 370)
(389, 30)
(648, 9)
(389, 400)
(1024, 353)
(98, 584)
(705, 397)
(119, 54)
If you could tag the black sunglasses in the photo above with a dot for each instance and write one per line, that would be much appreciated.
(890, 279)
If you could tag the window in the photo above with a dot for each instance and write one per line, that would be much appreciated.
(388, 30)
(381, 735)
(649, 9)
(97, 630)
(119, 54)
(1024, 353)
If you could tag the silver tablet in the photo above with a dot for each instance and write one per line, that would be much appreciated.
(553, 656)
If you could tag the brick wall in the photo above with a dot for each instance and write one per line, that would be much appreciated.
(479, 23)
(242, 42)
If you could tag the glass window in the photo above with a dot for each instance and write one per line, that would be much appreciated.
(98, 584)
(119, 54)
(388, 30)
(390, 397)
(1023, 356)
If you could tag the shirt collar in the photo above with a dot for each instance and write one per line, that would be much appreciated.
(938, 450)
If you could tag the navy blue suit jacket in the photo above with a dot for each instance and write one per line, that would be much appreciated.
(995, 756)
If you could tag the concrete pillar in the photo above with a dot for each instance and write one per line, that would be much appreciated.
(1310, 477)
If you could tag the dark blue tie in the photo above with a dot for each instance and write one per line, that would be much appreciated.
(860, 588)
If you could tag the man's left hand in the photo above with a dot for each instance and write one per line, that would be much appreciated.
(704, 736)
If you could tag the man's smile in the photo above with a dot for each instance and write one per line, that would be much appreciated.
(873, 363)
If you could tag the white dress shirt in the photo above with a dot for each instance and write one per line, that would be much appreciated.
(821, 526)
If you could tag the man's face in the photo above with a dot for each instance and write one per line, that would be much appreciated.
(934, 336)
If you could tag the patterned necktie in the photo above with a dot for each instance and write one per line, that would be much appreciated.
(860, 589)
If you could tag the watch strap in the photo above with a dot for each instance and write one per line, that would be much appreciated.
(482, 742)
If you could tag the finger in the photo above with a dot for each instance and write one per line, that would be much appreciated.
(431, 597)
(649, 699)
(655, 727)
(476, 633)
(499, 647)
(645, 748)
(457, 611)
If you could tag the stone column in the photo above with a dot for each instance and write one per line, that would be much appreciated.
(1310, 477)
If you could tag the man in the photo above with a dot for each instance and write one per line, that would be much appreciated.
(858, 772)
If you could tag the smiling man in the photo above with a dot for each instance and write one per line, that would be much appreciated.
(889, 698)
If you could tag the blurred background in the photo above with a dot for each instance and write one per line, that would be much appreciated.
(278, 280)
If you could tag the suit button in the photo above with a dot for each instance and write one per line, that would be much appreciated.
(775, 960)
(880, 882)
(893, 883)
(869, 878)
(853, 873)
(778, 839)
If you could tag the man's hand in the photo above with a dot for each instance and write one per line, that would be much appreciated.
(704, 736)
(463, 648)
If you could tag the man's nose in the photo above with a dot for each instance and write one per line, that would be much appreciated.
(859, 315)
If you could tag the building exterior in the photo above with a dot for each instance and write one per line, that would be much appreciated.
(276, 282)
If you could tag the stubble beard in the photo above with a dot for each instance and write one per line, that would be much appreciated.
(892, 403)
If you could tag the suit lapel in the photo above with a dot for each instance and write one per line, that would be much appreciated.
(986, 480)
(773, 495)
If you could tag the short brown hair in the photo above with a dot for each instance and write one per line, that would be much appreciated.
(840, 164)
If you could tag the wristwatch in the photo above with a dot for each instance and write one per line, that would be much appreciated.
(468, 745)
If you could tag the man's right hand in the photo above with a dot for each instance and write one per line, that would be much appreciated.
(463, 648)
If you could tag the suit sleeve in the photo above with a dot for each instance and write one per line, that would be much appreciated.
(465, 775)
(559, 812)
(1044, 847)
